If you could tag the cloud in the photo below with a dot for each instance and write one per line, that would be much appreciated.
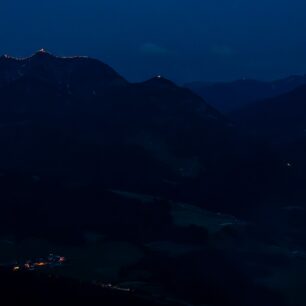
(153, 49)
(222, 50)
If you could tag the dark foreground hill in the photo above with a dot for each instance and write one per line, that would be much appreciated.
(163, 249)
(40, 289)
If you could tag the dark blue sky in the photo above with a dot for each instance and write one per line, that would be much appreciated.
(183, 40)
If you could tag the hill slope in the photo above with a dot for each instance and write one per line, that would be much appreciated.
(232, 96)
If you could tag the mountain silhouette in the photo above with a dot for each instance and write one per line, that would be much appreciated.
(76, 118)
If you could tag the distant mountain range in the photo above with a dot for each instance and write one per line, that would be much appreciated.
(232, 96)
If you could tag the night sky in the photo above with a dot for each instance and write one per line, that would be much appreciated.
(184, 40)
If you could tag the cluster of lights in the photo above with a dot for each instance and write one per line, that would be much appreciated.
(29, 265)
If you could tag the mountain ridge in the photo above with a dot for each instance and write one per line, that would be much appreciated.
(94, 76)
(102, 127)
